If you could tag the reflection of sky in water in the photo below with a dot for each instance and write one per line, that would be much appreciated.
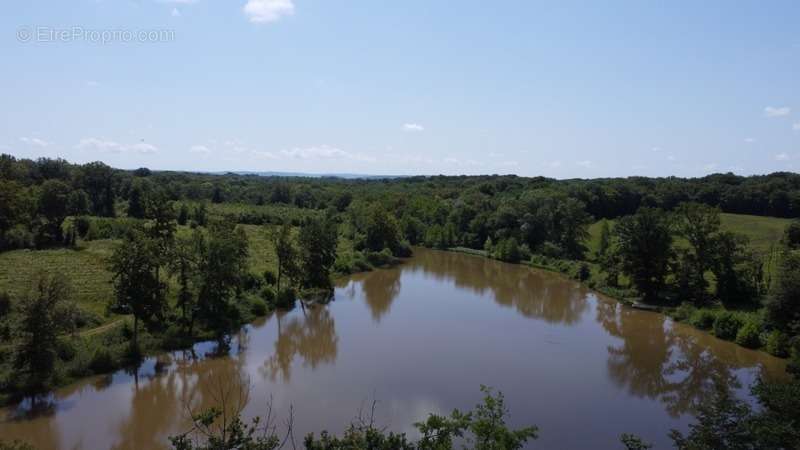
(421, 339)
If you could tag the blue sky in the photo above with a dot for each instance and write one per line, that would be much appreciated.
(561, 89)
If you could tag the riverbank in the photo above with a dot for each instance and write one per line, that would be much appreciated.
(741, 327)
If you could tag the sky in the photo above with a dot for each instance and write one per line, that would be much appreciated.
(561, 89)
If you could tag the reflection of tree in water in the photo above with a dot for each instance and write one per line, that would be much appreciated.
(533, 293)
(158, 407)
(380, 289)
(311, 335)
(654, 361)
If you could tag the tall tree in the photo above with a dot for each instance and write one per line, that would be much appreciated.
(317, 241)
(221, 262)
(44, 313)
(286, 253)
(137, 287)
(644, 243)
(699, 225)
(53, 209)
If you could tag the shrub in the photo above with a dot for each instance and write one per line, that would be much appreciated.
(82, 225)
(269, 278)
(19, 237)
(684, 312)
(507, 250)
(258, 307)
(268, 294)
(552, 250)
(702, 319)
(285, 298)
(382, 258)
(748, 335)
(65, 350)
(102, 361)
(726, 326)
(778, 344)
(584, 272)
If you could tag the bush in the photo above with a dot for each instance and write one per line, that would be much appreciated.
(382, 258)
(65, 350)
(258, 307)
(748, 335)
(584, 272)
(778, 344)
(270, 278)
(82, 225)
(19, 237)
(552, 250)
(507, 250)
(726, 326)
(102, 361)
(702, 319)
(684, 312)
(268, 294)
(285, 299)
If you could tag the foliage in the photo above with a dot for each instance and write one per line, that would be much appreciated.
(726, 325)
(137, 288)
(44, 314)
(317, 252)
(749, 335)
(644, 243)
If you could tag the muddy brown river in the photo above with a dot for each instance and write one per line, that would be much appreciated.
(421, 338)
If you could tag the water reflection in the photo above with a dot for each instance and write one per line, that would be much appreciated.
(310, 335)
(672, 363)
(534, 294)
(421, 338)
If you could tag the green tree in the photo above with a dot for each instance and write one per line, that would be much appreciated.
(699, 225)
(78, 203)
(137, 287)
(286, 253)
(382, 230)
(739, 272)
(645, 248)
(317, 252)
(783, 303)
(221, 259)
(44, 313)
(184, 266)
(53, 208)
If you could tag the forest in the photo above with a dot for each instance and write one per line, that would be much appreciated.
(194, 256)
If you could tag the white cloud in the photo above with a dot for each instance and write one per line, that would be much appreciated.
(554, 164)
(413, 127)
(710, 166)
(106, 146)
(265, 11)
(323, 152)
(777, 111)
(175, 12)
(749, 140)
(782, 157)
(796, 126)
(671, 158)
(92, 83)
(585, 163)
(656, 149)
(182, 2)
(200, 149)
(34, 141)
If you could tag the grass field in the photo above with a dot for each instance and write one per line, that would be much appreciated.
(87, 268)
(763, 232)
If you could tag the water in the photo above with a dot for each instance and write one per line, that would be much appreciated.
(421, 338)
